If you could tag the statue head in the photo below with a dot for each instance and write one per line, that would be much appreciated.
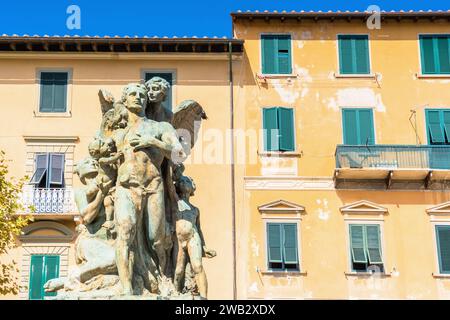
(94, 148)
(134, 97)
(86, 168)
(185, 186)
(157, 89)
(101, 147)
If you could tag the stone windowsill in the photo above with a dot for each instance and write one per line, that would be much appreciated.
(441, 275)
(359, 76)
(38, 114)
(366, 274)
(432, 76)
(280, 154)
(283, 273)
(261, 76)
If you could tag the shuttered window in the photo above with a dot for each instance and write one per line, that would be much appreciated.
(358, 126)
(53, 96)
(168, 76)
(443, 245)
(365, 246)
(354, 55)
(42, 269)
(49, 170)
(278, 128)
(438, 126)
(276, 54)
(435, 54)
(282, 246)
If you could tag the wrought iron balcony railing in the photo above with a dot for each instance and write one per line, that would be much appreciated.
(392, 157)
(48, 200)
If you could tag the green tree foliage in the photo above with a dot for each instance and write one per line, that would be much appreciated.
(10, 225)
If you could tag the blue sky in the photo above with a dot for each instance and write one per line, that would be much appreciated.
(166, 18)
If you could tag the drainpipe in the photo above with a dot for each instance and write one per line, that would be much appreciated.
(233, 191)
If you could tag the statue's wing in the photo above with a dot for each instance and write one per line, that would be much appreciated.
(188, 116)
(106, 100)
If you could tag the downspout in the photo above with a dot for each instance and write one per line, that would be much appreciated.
(233, 191)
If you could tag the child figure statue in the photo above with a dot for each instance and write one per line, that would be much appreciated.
(104, 151)
(191, 243)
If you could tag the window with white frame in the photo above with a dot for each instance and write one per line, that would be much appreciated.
(49, 170)
(282, 246)
(365, 248)
(443, 248)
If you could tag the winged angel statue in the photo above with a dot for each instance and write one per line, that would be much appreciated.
(139, 235)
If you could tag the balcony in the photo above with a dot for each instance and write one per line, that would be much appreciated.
(392, 164)
(44, 203)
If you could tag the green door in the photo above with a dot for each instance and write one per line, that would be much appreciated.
(42, 269)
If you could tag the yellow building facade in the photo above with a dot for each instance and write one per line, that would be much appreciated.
(335, 185)
(351, 202)
(197, 68)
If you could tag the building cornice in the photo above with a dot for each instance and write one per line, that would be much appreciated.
(101, 45)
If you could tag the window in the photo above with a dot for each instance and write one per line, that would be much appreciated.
(278, 128)
(282, 246)
(276, 54)
(42, 269)
(365, 247)
(49, 170)
(358, 126)
(168, 76)
(438, 126)
(53, 97)
(443, 247)
(354, 54)
(435, 54)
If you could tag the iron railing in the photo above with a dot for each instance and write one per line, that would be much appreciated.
(393, 157)
(48, 200)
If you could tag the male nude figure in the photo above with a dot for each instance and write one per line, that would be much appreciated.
(140, 190)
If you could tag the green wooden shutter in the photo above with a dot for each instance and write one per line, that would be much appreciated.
(286, 127)
(270, 129)
(35, 288)
(47, 92)
(361, 55)
(443, 43)
(446, 119)
(374, 244)
(53, 92)
(41, 161)
(60, 92)
(358, 244)
(274, 242)
(365, 127)
(168, 76)
(56, 169)
(284, 54)
(345, 55)
(290, 251)
(51, 270)
(350, 126)
(269, 54)
(427, 55)
(443, 243)
(436, 134)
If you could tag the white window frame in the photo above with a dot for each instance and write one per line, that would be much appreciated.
(365, 221)
(68, 112)
(338, 73)
(419, 54)
(277, 75)
(261, 138)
